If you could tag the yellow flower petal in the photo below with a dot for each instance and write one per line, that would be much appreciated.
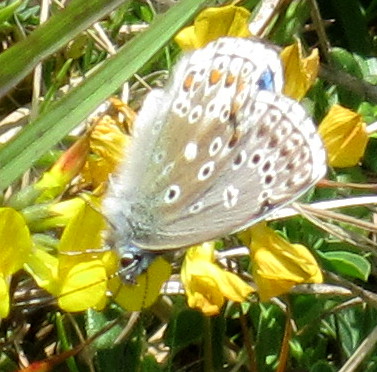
(344, 135)
(300, 73)
(203, 293)
(276, 274)
(43, 267)
(4, 295)
(83, 286)
(213, 23)
(204, 252)
(146, 290)
(82, 276)
(84, 229)
(279, 265)
(206, 284)
(187, 39)
(231, 286)
(16, 245)
(15, 240)
(107, 142)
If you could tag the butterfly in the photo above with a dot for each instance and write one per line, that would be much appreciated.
(218, 149)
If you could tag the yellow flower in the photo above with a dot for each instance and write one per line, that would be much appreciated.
(145, 291)
(82, 277)
(107, 142)
(81, 281)
(207, 284)
(299, 72)
(344, 134)
(278, 265)
(78, 281)
(16, 245)
(213, 23)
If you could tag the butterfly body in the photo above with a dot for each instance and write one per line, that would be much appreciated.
(215, 151)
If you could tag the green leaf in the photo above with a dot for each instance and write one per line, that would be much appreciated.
(352, 326)
(270, 322)
(181, 332)
(218, 339)
(292, 21)
(370, 155)
(348, 263)
(322, 366)
(96, 321)
(368, 112)
(346, 61)
(368, 68)
(149, 364)
(111, 357)
(122, 357)
(306, 310)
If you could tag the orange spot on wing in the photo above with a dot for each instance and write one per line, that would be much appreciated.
(214, 77)
(188, 82)
(240, 87)
(230, 79)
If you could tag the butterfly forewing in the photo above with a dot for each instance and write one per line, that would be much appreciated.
(220, 148)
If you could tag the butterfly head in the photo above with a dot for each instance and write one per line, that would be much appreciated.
(133, 261)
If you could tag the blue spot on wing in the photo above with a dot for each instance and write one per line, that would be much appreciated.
(266, 81)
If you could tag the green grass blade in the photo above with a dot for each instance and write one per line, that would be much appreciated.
(19, 60)
(8, 11)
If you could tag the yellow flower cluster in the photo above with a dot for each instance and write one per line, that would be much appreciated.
(81, 273)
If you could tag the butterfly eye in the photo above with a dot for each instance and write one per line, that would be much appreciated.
(126, 262)
(266, 81)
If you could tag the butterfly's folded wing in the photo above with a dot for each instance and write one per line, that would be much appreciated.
(277, 159)
(215, 151)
